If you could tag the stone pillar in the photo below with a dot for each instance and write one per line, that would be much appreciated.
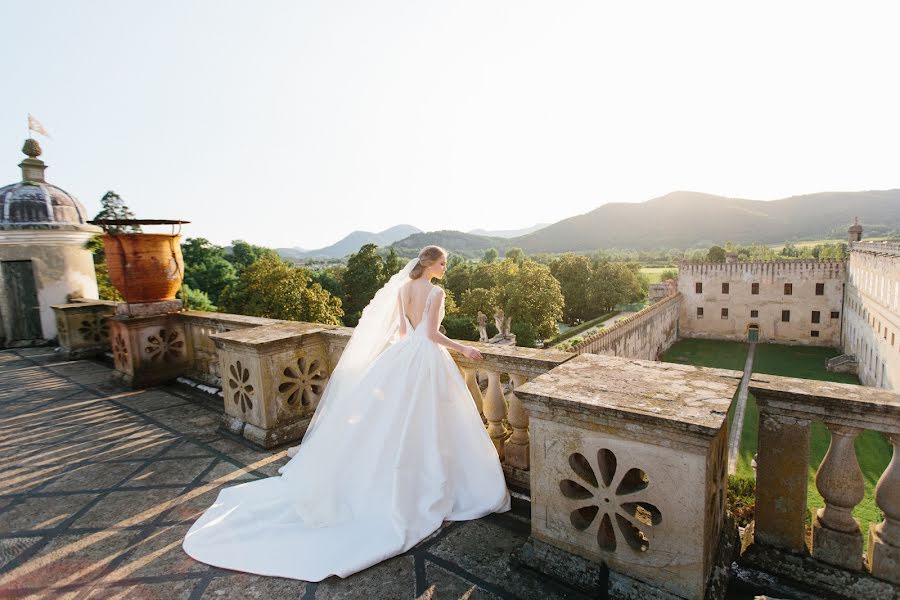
(148, 350)
(782, 464)
(836, 536)
(627, 470)
(884, 538)
(516, 448)
(471, 376)
(495, 411)
(272, 379)
(83, 328)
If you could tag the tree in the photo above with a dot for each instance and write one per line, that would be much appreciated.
(484, 276)
(454, 261)
(206, 269)
(392, 264)
(478, 299)
(363, 277)
(196, 299)
(613, 283)
(243, 254)
(669, 274)
(105, 288)
(516, 255)
(490, 255)
(790, 250)
(716, 254)
(270, 287)
(532, 295)
(330, 279)
(461, 327)
(574, 275)
(458, 278)
(113, 207)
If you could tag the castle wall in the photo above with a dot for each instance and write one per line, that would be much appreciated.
(769, 302)
(872, 313)
(645, 334)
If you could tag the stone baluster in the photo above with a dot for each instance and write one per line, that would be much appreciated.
(495, 411)
(884, 538)
(471, 377)
(836, 536)
(516, 447)
(781, 480)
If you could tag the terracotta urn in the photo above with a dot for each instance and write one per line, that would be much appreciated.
(144, 267)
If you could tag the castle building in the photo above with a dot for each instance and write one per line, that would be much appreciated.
(43, 259)
(852, 304)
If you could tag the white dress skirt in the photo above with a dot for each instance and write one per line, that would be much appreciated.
(403, 452)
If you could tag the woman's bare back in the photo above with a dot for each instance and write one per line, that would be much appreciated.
(414, 295)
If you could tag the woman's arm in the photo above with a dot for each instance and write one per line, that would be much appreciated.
(402, 314)
(434, 333)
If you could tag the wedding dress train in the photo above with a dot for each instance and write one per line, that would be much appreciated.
(401, 452)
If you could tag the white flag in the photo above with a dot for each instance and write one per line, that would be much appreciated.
(35, 125)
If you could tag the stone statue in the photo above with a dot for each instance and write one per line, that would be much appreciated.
(499, 320)
(507, 328)
(482, 327)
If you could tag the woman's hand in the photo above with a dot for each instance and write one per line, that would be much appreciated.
(471, 353)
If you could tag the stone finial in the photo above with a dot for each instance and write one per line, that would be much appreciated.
(32, 167)
(31, 148)
(855, 232)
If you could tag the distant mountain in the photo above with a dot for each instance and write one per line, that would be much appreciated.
(456, 242)
(693, 219)
(507, 233)
(352, 243)
(688, 220)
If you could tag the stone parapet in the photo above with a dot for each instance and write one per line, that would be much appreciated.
(654, 329)
(82, 327)
(787, 407)
(628, 469)
(273, 377)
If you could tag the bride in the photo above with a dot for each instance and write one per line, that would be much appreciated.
(396, 446)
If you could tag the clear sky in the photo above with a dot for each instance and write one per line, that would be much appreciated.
(294, 123)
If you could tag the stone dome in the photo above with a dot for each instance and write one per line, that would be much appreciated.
(33, 201)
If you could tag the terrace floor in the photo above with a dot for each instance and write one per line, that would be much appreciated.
(99, 483)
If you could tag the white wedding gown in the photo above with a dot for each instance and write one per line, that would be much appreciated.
(412, 453)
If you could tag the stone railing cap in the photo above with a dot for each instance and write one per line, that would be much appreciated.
(86, 305)
(530, 361)
(267, 337)
(830, 401)
(678, 397)
(227, 317)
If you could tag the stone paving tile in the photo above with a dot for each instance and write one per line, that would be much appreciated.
(393, 578)
(442, 584)
(245, 585)
(119, 508)
(42, 512)
(89, 477)
(166, 590)
(182, 471)
(66, 560)
(13, 547)
(157, 554)
(483, 548)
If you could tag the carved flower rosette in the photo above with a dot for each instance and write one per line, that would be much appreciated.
(608, 501)
(303, 382)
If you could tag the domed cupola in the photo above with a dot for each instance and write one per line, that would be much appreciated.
(34, 203)
(43, 258)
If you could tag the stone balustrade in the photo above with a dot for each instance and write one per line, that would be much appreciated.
(628, 470)
(199, 326)
(82, 327)
(502, 411)
(834, 562)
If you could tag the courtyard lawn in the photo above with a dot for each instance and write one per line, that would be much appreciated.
(654, 274)
(721, 354)
(872, 449)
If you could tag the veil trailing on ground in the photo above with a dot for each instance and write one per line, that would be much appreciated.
(376, 330)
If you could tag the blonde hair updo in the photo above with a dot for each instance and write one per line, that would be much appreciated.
(427, 257)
